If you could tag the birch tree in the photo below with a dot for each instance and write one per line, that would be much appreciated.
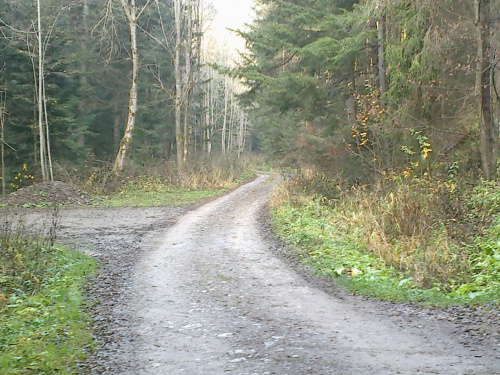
(132, 14)
(188, 33)
(2, 141)
(43, 131)
(188, 75)
(179, 134)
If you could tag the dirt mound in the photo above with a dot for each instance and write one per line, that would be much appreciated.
(47, 194)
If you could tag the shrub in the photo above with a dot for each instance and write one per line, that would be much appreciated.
(436, 234)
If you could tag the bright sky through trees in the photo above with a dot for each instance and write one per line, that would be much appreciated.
(232, 14)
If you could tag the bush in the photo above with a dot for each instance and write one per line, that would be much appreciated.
(435, 234)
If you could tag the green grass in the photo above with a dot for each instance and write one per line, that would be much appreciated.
(485, 267)
(155, 192)
(332, 244)
(43, 329)
(162, 196)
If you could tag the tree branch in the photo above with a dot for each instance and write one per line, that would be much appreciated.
(126, 9)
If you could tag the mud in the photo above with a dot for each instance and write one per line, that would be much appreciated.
(209, 291)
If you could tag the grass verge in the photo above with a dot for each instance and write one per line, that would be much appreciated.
(43, 329)
(360, 241)
(135, 195)
(147, 191)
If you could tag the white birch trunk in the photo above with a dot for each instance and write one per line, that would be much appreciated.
(131, 14)
(188, 76)
(41, 132)
(231, 125)
(179, 137)
(224, 124)
(2, 146)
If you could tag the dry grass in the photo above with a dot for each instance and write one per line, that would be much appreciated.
(407, 229)
(199, 174)
(409, 226)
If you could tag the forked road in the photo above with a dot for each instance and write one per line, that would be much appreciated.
(209, 297)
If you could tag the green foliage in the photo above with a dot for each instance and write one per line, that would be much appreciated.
(319, 64)
(415, 243)
(485, 200)
(42, 327)
(297, 54)
(149, 192)
(333, 246)
(485, 267)
(484, 207)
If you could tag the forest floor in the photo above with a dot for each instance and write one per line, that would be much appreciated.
(208, 290)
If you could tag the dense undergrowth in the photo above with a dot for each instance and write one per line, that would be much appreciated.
(415, 239)
(43, 329)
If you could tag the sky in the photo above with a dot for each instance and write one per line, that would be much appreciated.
(231, 14)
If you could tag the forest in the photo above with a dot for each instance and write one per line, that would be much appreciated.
(372, 126)
(77, 76)
(356, 89)
(369, 88)
(390, 113)
(389, 108)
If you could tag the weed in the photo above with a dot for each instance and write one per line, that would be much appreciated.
(42, 327)
(418, 240)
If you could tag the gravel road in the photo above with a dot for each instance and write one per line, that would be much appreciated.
(201, 292)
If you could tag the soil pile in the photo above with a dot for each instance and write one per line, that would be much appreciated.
(47, 194)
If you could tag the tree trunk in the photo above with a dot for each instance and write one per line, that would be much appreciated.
(212, 121)
(382, 80)
(47, 135)
(82, 102)
(351, 100)
(224, 124)
(41, 126)
(241, 133)
(179, 137)
(489, 135)
(116, 120)
(495, 81)
(231, 126)
(188, 77)
(382, 69)
(2, 146)
(206, 120)
(131, 13)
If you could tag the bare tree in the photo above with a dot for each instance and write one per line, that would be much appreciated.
(40, 89)
(43, 41)
(2, 141)
(132, 14)
(224, 124)
(179, 134)
(188, 75)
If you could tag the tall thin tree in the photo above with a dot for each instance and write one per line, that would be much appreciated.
(484, 72)
(179, 134)
(2, 142)
(132, 14)
(40, 89)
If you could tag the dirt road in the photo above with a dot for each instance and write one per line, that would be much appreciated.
(200, 292)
